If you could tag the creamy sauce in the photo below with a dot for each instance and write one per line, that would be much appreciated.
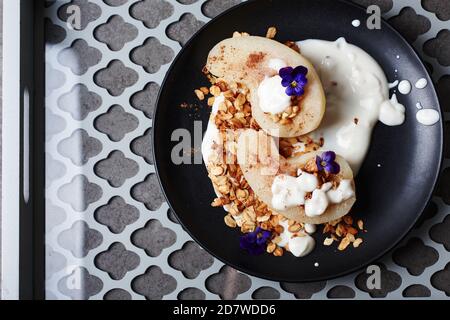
(356, 89)
(393, 84)
(211, 137)
(290, 191)
(299, 244)
(272, 95)
(310, 228)
(323, 197)
(357, 97)
(356, 23)
(404, 87)
(392, 113)
(421, 83)
(212, 132)
(428, 117)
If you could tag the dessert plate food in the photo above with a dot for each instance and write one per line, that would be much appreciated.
(295, 143)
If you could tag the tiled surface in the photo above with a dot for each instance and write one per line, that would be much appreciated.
(110, 233)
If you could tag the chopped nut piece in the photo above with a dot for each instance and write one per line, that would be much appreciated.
(357, 242)
(350, 237)
(200, 95)
(293, 46)
(216, 203)
(215, 90)
(241, 195)
(271, 247)
(229, 221)
(249, 214)
(224, 189)
(295, 228)
(263, 218)
(205, 90)
(340, 230)
(271, 33)
(211, 101)
(248, 227)
(311, 167)
(276, 240)
(352, 230)
(328, 241)
(360, 225)
(344, 244)
(217, 171)
(278, 252)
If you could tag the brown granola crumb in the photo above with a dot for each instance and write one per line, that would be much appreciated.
(360, 224)
(293, 46)
(271, 32)
(200, 95)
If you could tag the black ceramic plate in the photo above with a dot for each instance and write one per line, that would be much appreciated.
(390, 198)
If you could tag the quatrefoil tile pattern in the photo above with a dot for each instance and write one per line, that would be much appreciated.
(151, 12)
(117, 261)
(153, 238)
(79, 102)
(116, 169)
(183, 29)
(152, 55)
(110, 233)
(116, 123)
(80, 193)
(116, 77)
(80, 57)
(154, 284)
(116, 33)
(191, 260)
(117, 214)
(80, 239)
(79, 147)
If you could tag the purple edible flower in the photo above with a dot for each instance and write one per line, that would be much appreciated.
(327, 162)
(294, 79)
(255, 242)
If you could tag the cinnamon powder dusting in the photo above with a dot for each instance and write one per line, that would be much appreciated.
(254, 59)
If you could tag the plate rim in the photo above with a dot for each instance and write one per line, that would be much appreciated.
(383, 253)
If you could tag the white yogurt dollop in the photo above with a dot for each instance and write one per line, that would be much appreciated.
(212, 134)
(356, 23)
(428, 117)
(392, 113)
(323, 197)
(356, 88)
(421, 83)
(299, 245)
(272, 95)
(310, 228)
(404, 87)
(290, 191)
